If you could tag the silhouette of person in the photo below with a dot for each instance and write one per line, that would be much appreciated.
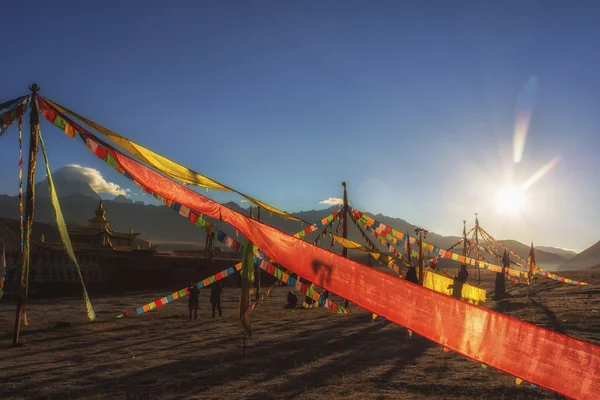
(194, 293)
(215, 298)
(499, 287)
(411, 276)
(292, 300)
(459, 281)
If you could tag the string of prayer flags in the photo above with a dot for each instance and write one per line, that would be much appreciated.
(12, 111)
(536, 269)
(228, 241)
(163, 164)
(555, 277)
(262, 298)
(306, 290)
(11, 104)
(317, 225)
(435, 281)
(368, 221)
(497, 242)
(500, 346)
(99, 151)
(518, 280)
(184, 292)
(391, 235)
(192, 216)
(21, 208)
(236, 246)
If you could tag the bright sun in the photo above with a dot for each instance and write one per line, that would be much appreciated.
(511, 200)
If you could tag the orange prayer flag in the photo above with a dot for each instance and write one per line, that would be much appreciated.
(70, 131)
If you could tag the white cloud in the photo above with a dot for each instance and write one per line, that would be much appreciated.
(94, 178)
(243, 201)
(332, 201)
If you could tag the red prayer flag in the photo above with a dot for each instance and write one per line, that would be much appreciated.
(100, 152)
(498, 341)
(49, 115)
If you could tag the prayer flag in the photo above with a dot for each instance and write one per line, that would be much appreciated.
(63, 232)
(184, 211)
(60, 123)
(531, 260)
(70, 131)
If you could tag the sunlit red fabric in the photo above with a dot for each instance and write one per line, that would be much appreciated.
(557, 362)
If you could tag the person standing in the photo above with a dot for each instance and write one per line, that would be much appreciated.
(460, 281)
(215, 298)
(194, 293)
(411, 276)
(500, 288)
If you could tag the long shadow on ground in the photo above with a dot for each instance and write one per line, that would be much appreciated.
(306, 359)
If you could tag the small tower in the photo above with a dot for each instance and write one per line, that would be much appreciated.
(100, 221)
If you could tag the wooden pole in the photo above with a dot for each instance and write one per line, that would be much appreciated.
(257, 269)
(477, 244)
(422, 234)
(345, 231)
(464, 241)
(34, 123)
(408, 250)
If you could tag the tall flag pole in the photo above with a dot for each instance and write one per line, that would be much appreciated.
(408, 249)
(464, 239)
(477, 246)
(345, 232)
(2, 268)
(34, 124)
(422, 234)
(247, 267)
(257, 270)
(531, 267)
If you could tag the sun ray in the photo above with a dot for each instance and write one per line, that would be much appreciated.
(525, 105)
(540, 173)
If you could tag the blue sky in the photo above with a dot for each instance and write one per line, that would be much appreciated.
(412, 103)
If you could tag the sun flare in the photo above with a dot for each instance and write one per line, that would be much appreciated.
(511, 200)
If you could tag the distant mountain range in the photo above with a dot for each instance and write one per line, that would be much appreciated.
(589, 258)
(163, 226)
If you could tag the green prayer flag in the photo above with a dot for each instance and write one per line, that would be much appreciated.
(110, 161)
(63, 232)
(60, 123)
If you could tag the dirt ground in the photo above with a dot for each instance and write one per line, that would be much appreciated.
(312, 354)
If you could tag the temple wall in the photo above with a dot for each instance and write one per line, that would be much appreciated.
(52, 274)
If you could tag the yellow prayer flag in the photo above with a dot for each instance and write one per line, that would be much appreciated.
(166, 166)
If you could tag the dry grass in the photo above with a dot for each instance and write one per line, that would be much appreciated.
(300, 353)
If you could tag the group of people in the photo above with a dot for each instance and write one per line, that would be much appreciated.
(194, 297)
